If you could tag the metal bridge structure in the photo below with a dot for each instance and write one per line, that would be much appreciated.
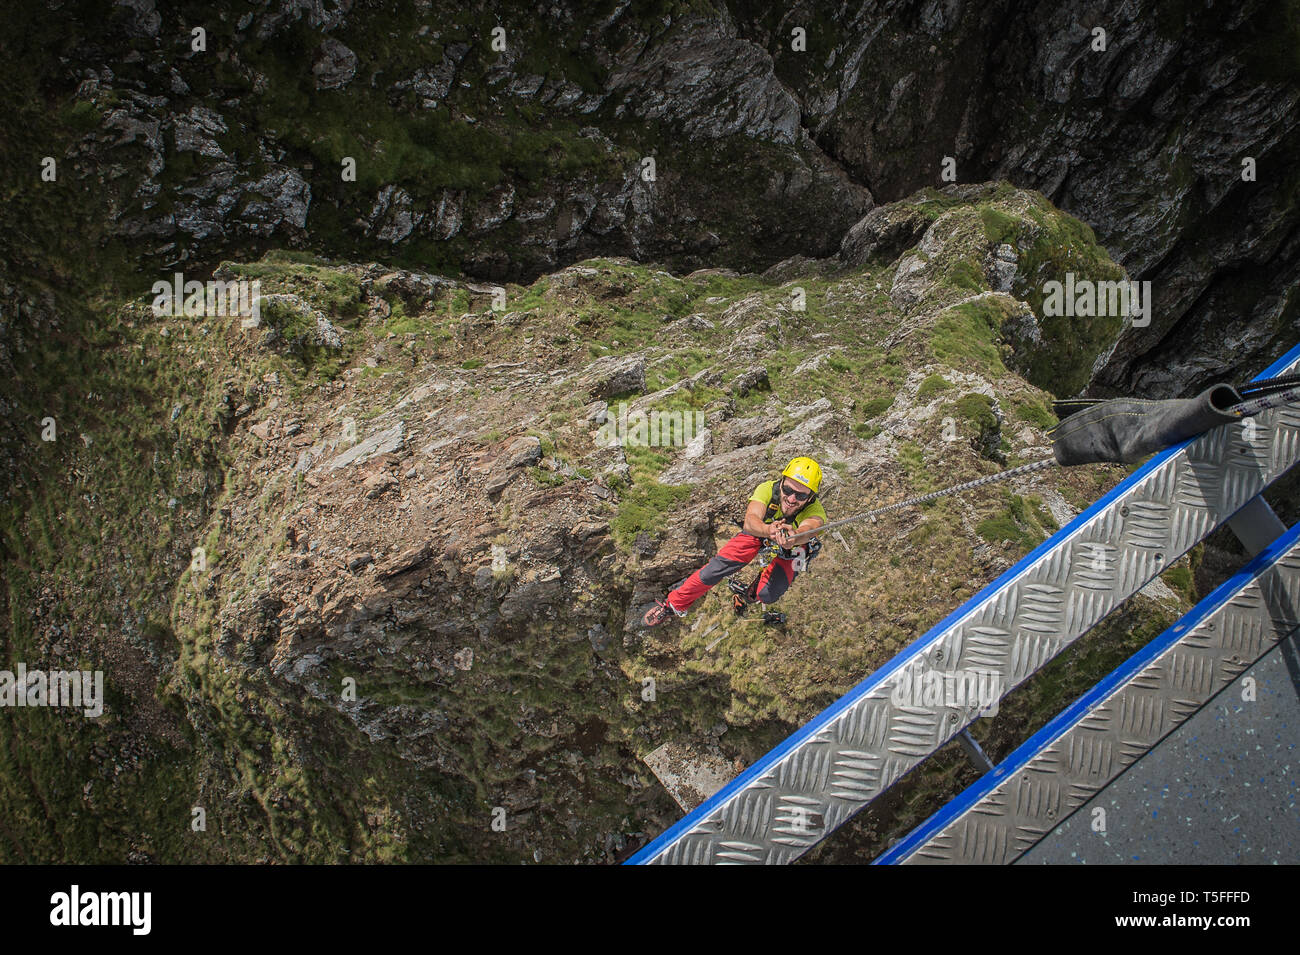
(800, 792)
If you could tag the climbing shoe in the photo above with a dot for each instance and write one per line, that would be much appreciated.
(741, 596)
(658, 613)
(774, 618)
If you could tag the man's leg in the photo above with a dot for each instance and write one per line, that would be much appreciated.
(775, 580)
(733, 555)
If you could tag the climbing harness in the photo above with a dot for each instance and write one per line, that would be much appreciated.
(800, 555)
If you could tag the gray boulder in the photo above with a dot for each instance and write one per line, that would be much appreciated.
(335, 65)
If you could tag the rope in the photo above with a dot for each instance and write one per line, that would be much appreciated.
(1255, 405)
(1267, 394)
(1254, 389)
(912, 501)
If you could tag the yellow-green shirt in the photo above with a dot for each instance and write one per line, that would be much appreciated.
(763, 494)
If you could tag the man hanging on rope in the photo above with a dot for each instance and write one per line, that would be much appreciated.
(777, 510)
(1123, 430)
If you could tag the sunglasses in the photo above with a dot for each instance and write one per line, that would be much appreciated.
(797, 496)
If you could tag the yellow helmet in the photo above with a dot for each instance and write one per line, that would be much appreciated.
(805, 471)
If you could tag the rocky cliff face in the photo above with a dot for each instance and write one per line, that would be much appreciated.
(506, 141)
(363, 578)
(1171, 132)
(393, 613)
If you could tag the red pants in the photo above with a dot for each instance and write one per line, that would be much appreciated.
(735, 554)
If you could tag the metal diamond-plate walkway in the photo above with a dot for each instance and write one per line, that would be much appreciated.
(854, 750)
(1119, 721)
